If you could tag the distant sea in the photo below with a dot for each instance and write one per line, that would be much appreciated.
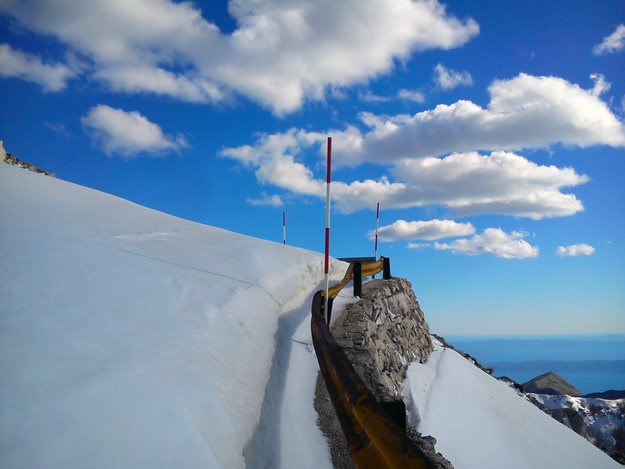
(591, 363)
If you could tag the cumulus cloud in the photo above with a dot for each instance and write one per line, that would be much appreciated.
(613, 43)
(448, 79)
(424, 230)
(29, 67)
(128, 133)
(274, 162)
(524, 112)
(431, 157)
(466, 183)
(492, 241)
(502, 182)
(575, 250)
(168, 48)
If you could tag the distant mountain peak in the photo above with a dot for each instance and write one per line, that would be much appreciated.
(550, 383)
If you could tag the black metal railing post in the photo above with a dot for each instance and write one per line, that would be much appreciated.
(387, 269)
(329, 315)
(358, 279)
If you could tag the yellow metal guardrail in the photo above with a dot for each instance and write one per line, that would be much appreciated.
(374, 439)
(366, 269)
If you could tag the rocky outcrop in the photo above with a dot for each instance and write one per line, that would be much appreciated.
(8, 158)
(382, 334)
(601, 421)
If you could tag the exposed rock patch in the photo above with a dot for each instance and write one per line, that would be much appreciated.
(600, 421)
(382, 334)
(8, 158)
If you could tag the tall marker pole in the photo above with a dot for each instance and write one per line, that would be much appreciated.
(377, 223)
(327, 250)
(283, 227)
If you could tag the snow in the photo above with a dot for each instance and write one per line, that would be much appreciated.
(480, 422)
(603, 416)
(130, 338)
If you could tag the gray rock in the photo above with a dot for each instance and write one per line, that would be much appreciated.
(381, 335)
(8, 158)
(387, 326)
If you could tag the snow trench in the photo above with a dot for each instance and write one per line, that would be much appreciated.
(287, 432)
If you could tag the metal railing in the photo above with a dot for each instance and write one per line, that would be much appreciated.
(373, 437)
(359, 267)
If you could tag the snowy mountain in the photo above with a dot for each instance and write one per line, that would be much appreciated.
(600, 421)
(130, 338)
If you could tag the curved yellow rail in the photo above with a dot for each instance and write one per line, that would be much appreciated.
(368, 268)
(374, 439)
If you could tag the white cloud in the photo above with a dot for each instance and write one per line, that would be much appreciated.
(502, 182)
(601, 86)
(274, 162)
(267, 200)
(466, 183)
(613, 43)
(448, 79)
(493, 241)
(524, 112)
(18, 64)
(145, 78)
(411, 95)
(168, 48)
(575, 250)
(425, 230)
(128, 133)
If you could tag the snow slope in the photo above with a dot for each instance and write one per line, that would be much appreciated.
(480, 422)
(130, 338)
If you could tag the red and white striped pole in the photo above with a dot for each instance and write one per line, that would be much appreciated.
(327, 248)
(283, 227)
(377, 224)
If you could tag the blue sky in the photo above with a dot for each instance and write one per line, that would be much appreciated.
(492, 134)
